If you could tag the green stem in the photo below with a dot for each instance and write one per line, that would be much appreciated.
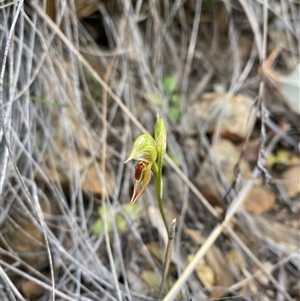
(157, 171)
(161, 209)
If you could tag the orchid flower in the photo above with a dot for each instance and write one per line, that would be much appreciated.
(149, 152)
(144, 151)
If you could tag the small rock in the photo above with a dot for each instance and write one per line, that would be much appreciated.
(31, 290)
(236, 113)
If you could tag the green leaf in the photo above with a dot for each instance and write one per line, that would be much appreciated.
(175, 100)
(174, 107)
(133, 210)
(98, 227)
(282, 157)
(169, 84)
(121, 223)
(101, 211)
(175, 114)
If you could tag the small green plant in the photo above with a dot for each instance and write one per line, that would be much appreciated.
(169, 84)
(133, 212)
(149, 152)
(170, 88)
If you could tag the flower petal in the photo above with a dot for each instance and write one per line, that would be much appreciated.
(143, 149)
(144, 179)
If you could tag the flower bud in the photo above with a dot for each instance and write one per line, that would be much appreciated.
(160, 135)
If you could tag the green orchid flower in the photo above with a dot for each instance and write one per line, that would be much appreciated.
(149, 152)
(145, 152)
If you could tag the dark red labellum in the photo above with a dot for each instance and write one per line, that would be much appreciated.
(138, 171)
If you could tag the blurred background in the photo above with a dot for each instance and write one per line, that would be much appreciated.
(80, 80)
